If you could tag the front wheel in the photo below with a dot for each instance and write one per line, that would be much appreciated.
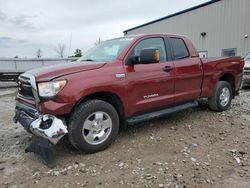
(222, 98)
(93, 126)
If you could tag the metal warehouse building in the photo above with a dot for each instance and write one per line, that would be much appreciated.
(217, 28)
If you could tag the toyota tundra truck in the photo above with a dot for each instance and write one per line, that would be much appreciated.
(122, 81)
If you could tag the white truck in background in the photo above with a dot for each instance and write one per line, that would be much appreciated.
(11, 68)
(246, 75)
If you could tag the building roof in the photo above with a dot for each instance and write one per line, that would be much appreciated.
(172, 15)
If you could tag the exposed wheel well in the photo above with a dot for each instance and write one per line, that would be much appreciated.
(109, 97)
(231, 80)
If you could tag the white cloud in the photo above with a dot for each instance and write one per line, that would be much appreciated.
(45, 23)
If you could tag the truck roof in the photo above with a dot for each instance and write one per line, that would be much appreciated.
(149, 34)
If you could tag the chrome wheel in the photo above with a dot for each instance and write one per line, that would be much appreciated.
(224, 96)
(97, 128)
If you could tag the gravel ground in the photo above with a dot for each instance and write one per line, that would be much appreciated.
(7, 85)
(194, 148)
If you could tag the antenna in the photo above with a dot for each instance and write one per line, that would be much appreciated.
(70, 40)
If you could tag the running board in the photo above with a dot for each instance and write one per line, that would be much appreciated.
(160, 113)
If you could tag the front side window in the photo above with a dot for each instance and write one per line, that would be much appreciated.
(151, 43)
(107, 51)
(180, 50)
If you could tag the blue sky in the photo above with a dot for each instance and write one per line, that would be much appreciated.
(27, 25)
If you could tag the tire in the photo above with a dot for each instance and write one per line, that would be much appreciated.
(223, 96)
(93, 126)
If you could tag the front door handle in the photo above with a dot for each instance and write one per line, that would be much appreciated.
(168, 68)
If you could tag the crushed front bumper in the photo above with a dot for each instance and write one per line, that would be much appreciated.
(46, 126)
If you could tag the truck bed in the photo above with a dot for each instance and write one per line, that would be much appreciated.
(214, 67)
(220, 59)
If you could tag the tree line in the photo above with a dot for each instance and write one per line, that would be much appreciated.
(61, 48)
(60, 51)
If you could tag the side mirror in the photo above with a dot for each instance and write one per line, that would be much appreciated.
(149, 56)
(132, 60)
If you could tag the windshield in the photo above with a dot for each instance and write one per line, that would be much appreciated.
(247, 58)
(107, 51)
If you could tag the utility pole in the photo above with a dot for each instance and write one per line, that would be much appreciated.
(70, 40)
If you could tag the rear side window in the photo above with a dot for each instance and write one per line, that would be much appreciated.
(180, 50)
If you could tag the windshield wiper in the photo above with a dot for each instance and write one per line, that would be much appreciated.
(87, 60)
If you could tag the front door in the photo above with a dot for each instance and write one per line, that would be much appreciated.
(150, 85)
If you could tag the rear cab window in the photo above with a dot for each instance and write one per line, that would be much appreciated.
(179, 48)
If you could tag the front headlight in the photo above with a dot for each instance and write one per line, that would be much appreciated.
(50, 89)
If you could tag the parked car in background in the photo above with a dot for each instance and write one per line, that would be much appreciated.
(246, 76)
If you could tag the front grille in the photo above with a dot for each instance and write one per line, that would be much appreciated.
(24, 88)
(247, 69)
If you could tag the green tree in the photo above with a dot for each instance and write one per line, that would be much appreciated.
(78, 53)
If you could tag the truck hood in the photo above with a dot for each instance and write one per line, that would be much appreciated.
(54, 71)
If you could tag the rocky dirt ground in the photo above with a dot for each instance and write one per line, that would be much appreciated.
(195, 148)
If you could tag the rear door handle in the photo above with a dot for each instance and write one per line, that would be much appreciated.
(168, 68)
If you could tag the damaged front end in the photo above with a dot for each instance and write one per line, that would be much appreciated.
(46, 126)
(48, 129)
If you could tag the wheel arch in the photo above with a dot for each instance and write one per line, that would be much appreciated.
(109, 97)
(228, 77)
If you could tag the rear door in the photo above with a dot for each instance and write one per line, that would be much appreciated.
(150, 85)
(188, 72)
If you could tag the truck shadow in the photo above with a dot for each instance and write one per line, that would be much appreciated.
(245, 88)
(170, 122)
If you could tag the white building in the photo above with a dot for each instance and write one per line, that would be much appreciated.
(217, 28)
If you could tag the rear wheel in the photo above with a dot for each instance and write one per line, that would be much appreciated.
(222, 98)
(94, 126)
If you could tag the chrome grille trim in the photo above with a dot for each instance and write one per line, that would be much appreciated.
(30, 79)
(23, 79)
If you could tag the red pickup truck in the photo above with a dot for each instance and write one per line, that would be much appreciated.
(124, 80)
